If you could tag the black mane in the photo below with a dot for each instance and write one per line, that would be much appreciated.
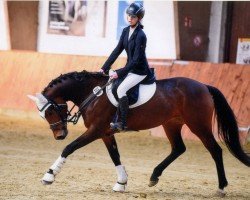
(78, 76)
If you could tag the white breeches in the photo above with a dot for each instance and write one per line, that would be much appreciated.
(130, 81)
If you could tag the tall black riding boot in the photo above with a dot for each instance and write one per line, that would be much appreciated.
(123, 108)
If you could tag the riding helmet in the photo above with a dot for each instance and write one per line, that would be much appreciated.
(136, 9)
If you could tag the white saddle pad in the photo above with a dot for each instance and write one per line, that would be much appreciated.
(146, 92)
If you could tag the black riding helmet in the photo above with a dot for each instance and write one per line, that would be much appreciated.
(136, 9)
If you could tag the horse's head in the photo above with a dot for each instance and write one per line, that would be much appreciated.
(55, 112)
(52, 105)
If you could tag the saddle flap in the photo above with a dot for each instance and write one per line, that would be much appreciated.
(145, 93)
(137, 95)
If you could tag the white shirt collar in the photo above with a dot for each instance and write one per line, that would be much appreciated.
(131, 30)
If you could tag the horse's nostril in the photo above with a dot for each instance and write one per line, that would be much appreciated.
(61, 137)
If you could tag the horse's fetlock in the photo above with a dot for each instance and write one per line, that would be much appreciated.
(156, 173)
(223, 184)
(182, 149)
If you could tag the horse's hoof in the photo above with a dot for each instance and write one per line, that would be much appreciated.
(46, 182)
(221, 193)
(48, 179)
(119, 187)
(153, 183)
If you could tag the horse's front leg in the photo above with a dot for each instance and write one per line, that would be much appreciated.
(122, 178)
(89, 136)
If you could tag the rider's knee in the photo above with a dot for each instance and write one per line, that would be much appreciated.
(121, 92)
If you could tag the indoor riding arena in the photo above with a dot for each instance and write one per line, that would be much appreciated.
(204, 41)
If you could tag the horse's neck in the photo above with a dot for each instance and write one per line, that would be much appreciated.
(86, 90)
(75, 91)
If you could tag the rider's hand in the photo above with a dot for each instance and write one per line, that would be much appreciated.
(113, 76)
(101, 71)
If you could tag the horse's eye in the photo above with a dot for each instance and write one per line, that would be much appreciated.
(49, 112)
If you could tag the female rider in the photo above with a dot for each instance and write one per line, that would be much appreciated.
(133, 40)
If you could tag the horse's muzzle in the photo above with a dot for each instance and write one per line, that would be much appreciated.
(60, 135)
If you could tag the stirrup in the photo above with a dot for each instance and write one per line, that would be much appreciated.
(118, 126)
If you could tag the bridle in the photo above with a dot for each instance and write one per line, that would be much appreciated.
(97, 91)
(58, 108)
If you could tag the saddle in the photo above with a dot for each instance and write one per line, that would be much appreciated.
(138, 94)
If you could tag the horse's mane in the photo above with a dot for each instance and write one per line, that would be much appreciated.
(78, 76)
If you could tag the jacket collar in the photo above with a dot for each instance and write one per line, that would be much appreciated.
(134, 33)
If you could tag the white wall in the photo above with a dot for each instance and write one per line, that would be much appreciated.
(72, 44)
(159, 28)
(215, 32)
(4, 27)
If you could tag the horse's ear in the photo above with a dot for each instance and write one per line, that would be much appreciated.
(41, 98)
(33, 98)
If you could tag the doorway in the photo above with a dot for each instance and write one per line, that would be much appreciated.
(23, 24)
(193, 24)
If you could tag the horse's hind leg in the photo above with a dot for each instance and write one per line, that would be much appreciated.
(173, 131)
(206, 136)
(122, 179)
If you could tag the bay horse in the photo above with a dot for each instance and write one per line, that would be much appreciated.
(177, 101)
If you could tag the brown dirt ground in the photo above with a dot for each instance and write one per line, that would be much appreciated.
(27, 149)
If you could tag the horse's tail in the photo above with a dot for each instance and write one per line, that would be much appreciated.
(227, 125)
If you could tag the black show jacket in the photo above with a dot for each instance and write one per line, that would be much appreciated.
(136, 57)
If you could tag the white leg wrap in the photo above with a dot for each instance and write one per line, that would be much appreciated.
(49, 177)
(56, 167)
(121, 180)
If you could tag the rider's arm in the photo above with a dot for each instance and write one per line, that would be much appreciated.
(116, 52)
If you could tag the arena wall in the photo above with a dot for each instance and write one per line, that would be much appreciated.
(24, 72)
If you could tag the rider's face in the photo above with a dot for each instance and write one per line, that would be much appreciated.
(132, 20)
